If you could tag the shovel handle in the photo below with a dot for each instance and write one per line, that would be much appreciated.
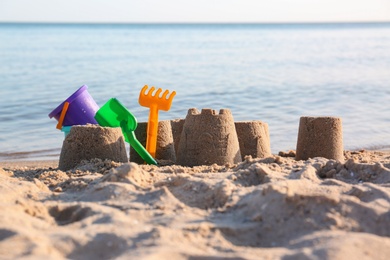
(139, 148)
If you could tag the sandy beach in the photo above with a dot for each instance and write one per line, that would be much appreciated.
(269, 208)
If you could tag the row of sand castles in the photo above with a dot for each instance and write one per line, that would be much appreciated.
(203, 139)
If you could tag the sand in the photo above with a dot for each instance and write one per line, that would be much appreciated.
(270, 208)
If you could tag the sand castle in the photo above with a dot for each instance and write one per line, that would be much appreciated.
(320, 137)
(202, 138)
(254, 140)
(208, 135)
(85, 142)
(165, 142)
(206, 138)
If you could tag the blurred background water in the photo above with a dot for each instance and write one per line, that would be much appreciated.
(269, 72)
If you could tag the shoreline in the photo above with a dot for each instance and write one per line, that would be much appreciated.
(32, 163)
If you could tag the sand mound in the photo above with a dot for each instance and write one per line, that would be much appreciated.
(273, 207)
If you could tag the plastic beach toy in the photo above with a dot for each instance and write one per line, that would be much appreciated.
(81, 110)
(66, 130)
(155, 103)
(62, 116)
(114, 114)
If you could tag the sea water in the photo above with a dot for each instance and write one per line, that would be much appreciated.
(275, 73)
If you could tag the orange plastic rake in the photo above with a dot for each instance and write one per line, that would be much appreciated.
(155, 103)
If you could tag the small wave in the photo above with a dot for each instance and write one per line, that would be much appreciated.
(29, 155)
(378, 147)
(370, 147)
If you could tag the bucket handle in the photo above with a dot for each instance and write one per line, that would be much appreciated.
(62, 116)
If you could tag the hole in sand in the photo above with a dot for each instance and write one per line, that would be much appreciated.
(5, 233)
(69, 215)
(201, 195)
(101, 246)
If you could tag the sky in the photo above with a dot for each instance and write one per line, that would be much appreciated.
(193, 11)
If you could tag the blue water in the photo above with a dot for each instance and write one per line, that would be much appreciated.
(273, 73)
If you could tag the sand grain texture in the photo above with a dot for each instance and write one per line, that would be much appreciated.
(270, 208)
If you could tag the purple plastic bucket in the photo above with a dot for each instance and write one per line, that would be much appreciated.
(81, 111)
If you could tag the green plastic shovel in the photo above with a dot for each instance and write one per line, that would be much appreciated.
(114, 114)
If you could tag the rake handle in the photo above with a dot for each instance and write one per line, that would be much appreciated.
(151, 140)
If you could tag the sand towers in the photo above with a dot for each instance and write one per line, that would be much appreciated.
(89, 142)
(201, 139)
(320, 137)
(208, 138)
(165, 149)
(205, 138)
(254, 140)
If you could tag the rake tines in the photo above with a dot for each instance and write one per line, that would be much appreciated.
(149, 99)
